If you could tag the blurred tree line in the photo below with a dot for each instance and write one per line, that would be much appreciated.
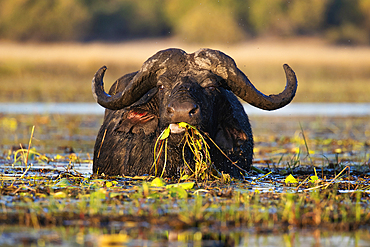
(340, 21)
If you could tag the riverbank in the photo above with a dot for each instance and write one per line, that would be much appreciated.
(62, 72)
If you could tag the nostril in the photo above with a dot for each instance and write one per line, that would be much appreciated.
(183, 111)
(194, 111)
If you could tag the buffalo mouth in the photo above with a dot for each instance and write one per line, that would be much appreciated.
(176, 129)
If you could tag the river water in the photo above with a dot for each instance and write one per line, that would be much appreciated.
(54, 134)
(294, 109)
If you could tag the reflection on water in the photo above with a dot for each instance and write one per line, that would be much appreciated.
(296, 109)
(54, 168)
(15, 236)
(51, 108)
(315, 109)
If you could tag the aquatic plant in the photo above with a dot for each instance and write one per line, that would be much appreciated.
(198, 146)
(330, 193)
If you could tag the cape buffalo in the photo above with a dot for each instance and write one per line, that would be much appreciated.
(171, 87)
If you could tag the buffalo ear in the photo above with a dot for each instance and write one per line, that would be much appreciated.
(137, 120)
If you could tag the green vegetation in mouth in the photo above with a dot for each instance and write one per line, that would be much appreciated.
(196, 142)
(198, 146)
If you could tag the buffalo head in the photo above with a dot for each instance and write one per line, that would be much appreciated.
(171, 87)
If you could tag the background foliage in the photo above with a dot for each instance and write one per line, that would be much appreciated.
(229, 21)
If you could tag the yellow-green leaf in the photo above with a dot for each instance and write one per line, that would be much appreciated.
(290, 179)
(314, 179)
(64, 182)
(199, 144)
(158, 182)
(183, 124)
(178, 192)
(58, 157)
(165, 133)
(59, 194)
(114, 194)
(186, 186)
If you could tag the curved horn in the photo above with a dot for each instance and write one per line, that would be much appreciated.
(140, 84)
(133, 92)
(239, 84)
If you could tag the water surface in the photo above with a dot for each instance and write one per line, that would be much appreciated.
(293, 109)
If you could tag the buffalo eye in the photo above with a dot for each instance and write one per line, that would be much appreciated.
(161, 87)
(209, 83)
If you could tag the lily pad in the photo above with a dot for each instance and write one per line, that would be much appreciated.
(290, 179)
(64, 182)
(158, 182)
(186, 185)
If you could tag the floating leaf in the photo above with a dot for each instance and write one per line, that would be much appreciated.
(64, 182)
(290, 179)
(178, 192)
(158, 182)
(58, 157)
(314, 179)
(60, 194)
(115, 194)
(186, 186)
